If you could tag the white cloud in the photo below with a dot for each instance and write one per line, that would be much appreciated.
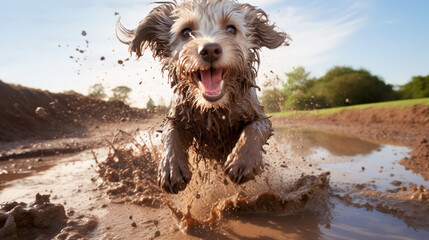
(315, 31)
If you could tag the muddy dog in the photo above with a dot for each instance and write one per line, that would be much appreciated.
(210, 50)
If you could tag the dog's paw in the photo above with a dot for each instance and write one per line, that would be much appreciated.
(243, 164)
(173, 172)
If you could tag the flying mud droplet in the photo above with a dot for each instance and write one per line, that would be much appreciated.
(41, 112)
(83, 33)
(102, 58)
(120, 62)
(116, 13)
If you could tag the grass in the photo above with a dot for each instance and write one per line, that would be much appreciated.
(389, 104)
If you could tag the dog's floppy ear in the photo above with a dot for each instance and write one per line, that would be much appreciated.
(264, 33)
(152, 32)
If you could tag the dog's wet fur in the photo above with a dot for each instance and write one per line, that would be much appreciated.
(210, 50)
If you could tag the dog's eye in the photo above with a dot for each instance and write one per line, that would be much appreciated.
(231, 29)
(186, 33)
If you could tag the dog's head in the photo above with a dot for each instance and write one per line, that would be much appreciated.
(209, 47)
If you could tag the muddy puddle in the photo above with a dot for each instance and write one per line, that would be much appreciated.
(316, 185)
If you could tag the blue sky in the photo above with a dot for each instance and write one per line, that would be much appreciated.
(390, 38)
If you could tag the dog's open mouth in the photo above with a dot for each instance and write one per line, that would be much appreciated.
(210, 83)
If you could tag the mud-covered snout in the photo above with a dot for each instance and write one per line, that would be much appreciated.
(210, 52)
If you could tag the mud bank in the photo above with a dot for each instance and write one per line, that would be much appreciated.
(398, 125)
(33, 113)
(418, 161)
(42, 220)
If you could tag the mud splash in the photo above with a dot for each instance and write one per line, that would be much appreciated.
(129, 175)
(129, 172)
(305, 193)
(42, 220)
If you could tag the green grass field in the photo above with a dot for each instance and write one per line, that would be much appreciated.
(327, 111)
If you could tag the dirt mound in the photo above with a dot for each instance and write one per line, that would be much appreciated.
(33, 113)
(418, 115)
(418, 161)
(415, 115)
(41, 220)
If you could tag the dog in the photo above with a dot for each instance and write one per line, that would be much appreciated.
(210, 50)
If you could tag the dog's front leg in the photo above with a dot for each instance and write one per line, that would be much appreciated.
(245, 160)
(173, 171)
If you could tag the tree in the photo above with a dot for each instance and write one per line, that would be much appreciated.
(96, 91)
(418, 87)
(296, 90)
(272, 99)
(150, 104)
(162, 106)
(345, 86)
(297, 81)
(121, 93)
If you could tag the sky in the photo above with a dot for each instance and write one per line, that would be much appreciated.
(389, 38)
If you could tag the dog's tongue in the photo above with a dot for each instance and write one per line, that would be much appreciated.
(211, 80)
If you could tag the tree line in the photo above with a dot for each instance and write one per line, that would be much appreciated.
(120, 93)
(340, 86)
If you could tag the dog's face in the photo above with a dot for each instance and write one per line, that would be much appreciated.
(209, 47)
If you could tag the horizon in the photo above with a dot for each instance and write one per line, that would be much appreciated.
(387, 38)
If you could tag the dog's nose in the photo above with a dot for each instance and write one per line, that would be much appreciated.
(210, 52)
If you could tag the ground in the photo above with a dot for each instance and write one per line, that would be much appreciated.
(93, 165)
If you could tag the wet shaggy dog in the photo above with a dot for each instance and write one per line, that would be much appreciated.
(209, 48)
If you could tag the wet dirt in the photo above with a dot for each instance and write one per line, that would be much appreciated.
(418, 161)
(294, 198)
(395, 125)
(42, 220)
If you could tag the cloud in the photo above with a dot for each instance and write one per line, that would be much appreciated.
(391, 21)
(315, 30)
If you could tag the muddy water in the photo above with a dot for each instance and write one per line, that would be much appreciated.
(359, 170)
(281, 204)
(350, 160)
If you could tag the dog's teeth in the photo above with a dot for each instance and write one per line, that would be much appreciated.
(221, 85)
